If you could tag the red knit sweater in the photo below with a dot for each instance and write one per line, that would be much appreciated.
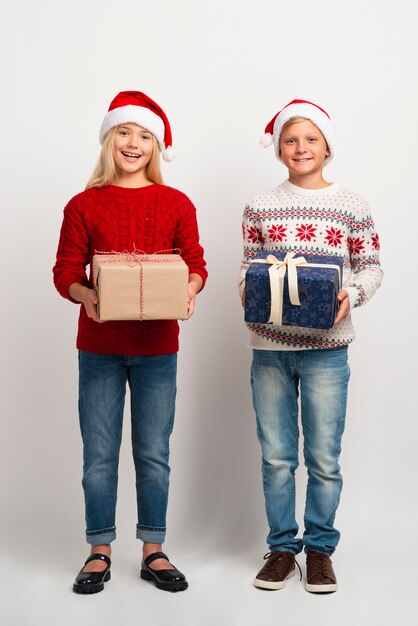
(120, 219)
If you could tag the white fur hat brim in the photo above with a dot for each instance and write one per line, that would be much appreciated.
(136, 115)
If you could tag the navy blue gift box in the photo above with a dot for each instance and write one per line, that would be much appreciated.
(317, 289)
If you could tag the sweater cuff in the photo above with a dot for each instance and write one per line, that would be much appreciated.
(64, 287)
(202, 273)
(354, 296)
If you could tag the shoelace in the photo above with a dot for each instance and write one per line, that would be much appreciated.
(278, 561)
(318, 564)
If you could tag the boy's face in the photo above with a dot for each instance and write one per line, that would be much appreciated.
(303, 149)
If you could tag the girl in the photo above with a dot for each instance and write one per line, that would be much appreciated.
(305, 214)
(125, 207)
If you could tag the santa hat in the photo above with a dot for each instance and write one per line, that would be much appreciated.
(299, 108)
(138, 108)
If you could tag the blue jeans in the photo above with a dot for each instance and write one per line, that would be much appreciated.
(322, 377)
(102, 386)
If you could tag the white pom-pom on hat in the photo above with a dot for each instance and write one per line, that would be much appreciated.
(266, 140)
(169, 154)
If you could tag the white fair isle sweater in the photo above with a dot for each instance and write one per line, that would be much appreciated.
(331, 221)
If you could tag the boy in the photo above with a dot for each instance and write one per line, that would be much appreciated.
(305, 214)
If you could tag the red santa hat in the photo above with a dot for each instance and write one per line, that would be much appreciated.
(138, 108)
(299, 108)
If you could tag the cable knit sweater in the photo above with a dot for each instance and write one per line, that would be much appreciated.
(112, 218)
(330, 221)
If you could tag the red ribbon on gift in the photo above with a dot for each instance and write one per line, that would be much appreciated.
(138, 257)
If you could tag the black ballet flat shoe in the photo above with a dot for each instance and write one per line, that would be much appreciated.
(92, 582)
(165, 579)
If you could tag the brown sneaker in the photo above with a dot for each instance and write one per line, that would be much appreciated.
(320, 575)
(276, 572)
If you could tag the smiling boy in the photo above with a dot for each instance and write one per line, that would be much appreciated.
(305, 214)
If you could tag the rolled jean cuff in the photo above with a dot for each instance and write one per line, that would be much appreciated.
(101, 537)
(150, 534)
(318, 549)
(281, 549)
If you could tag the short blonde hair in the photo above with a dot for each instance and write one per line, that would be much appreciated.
(296, 119)
(105, 171)
(293, 120)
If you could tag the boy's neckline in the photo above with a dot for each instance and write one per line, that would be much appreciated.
(301, 191)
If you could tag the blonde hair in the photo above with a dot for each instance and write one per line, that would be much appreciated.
(105, 171)
(296, 119)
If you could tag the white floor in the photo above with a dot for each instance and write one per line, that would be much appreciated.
(377, 588)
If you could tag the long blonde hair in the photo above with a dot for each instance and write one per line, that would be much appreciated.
(105, 171)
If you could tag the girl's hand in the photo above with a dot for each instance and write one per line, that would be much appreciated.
(344, 306)
(191, 297)
(194, 286)
(88, 297)
(90, 301)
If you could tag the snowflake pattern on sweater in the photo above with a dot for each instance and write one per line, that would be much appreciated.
(329, 221)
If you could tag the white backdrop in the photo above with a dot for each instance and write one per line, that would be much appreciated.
(220, 70)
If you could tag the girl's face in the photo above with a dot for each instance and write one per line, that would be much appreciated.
(132, 150)
(303, 149)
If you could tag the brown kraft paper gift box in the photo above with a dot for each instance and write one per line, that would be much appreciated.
(141, 286)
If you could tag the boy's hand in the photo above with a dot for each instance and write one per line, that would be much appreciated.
(344, 306)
